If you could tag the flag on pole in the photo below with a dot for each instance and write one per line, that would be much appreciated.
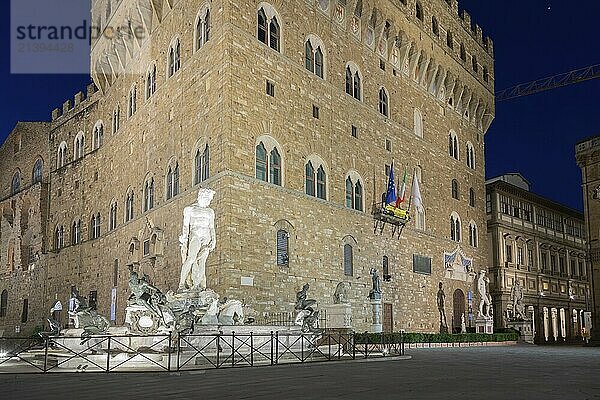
(390, 197)
(402, 191)
(416, 194)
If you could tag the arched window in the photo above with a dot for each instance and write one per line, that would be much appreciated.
(354, 191)
(470, 156)
(269, 164)
(95, 226)
(38, 171)
(129, 202)
(15, 185)
(316, 178)
(384, 102)
(282, 248)
(59, 237)
(261, 162)
(112, 218)
(310, 179)
(475, 64)
(149, 194)
(435, 26)
(309, 56)
(453, 145)
(418, 123)
(349, 82)
(76, 232)
(419, 11)
(274, 34)
(173, 181)
(79, 146)
(321, 183)
(472, 197)
(486, 74)
(3, 303)
(463, 52)
(98, 137)
(132, 101)
(151, 82)
(449, 40)
(61, 159)
(349, 193)
(358, 196)
(275, 167)
(263, 29)
(473, 239)
(174, 58)
(455, 192)
(348, 260)
(455, 227)
(201, 165)
(319, 63)
(202, 33)
(268, 28)
(314, 56)
(353, 81)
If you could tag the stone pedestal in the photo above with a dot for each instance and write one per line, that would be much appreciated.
(376, 327)
(338, 316)
(484, 325)
(525, 328)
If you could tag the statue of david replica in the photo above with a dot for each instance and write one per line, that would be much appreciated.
(197, 240)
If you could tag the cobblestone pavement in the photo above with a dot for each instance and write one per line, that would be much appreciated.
(516, 372)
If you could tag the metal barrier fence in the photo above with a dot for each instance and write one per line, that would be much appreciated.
(183, 353)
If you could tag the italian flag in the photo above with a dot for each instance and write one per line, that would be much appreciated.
(402, 191)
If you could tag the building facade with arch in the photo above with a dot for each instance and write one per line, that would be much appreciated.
(542, 245)
(293, 124)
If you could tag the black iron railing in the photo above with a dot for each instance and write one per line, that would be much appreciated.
(184, 353)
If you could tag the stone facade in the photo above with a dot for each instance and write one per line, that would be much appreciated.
(588, 154)
(542, 245)
(215, 94)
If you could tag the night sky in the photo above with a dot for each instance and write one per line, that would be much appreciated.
(533, 135)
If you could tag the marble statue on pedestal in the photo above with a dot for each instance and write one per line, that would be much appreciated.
(307, 317)
(463, 325)
(516, 296)
(197, 240)
(485, 304)
(441, 300)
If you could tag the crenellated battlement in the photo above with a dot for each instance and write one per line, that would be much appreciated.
(79, 100)
(474, 29)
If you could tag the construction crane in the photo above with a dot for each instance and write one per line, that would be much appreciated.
(553, 82)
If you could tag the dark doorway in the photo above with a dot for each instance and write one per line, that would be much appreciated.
(388, 317)
(459, 310)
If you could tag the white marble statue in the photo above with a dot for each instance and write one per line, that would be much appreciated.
(485, 304)
(197, 241)
(516, 297)
(463, 325)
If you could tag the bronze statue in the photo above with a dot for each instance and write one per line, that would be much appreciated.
(307, 317)
(441, 299)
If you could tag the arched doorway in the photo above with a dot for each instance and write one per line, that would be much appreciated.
(459, 309)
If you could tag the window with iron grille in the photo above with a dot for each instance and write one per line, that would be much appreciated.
(282, 248)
